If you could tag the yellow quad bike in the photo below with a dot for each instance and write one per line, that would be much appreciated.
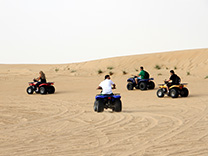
(174, 90)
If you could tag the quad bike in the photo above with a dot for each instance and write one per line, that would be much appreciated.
(143, 84)
(43, 88)
(174, 90)
(106, 101)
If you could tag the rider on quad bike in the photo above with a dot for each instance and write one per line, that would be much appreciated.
(107, 99)
(40, 85)
(142, 75)
(173, 89)
(175, 80)
(106, 85)
(40, 79)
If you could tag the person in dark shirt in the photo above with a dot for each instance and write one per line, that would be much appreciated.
(175, 80)
(40, 79)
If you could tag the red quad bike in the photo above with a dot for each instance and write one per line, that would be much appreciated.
(43, 88)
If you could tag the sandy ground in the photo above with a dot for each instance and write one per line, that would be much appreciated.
(65, 124)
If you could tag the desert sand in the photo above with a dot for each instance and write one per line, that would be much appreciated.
(65, 124)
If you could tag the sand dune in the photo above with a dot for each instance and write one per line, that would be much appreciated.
(65, 124)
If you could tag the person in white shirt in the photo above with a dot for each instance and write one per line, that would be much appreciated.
(106, 85)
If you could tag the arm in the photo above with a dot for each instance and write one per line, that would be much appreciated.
(37, 79)
(140, 74)
(114, 86)
(168, 80)
(137, 75)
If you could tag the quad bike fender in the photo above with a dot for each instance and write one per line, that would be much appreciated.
(163, 86)
(97, 97)
(131, 80)
(146, 80)
(177, 86)
(43, 84)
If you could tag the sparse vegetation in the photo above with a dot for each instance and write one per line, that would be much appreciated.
(73, 71)
(124, 72)
(56, 70)
(167, 68)
(175, 68)
(100, 71)
(110, 68)
(136, 70)
(159, 74)
(206, 77)
(188, 73)
(111, 73)
(158, 67)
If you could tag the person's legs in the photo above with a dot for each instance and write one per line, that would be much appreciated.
(136, 79)
(37, 85)
(168, 86)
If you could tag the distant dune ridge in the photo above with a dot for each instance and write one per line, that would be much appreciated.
(193, 61)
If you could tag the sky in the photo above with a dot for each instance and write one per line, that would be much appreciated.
(66, 31)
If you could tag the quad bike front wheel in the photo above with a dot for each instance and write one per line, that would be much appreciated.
(30, 90)
(160, 93)
(130, 86)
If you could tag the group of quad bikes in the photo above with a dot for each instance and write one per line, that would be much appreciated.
(144, 84)
(113, 101)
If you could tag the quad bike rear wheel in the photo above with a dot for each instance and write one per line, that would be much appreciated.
(100, 105)
(42, 90)
(30, 90)
(130, 86)
(51, 89)
(160, 93)
(96, 105)
(184, 92)
(174, 93)
(118, 105)
(151, 85)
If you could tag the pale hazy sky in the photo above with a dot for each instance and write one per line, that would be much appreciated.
(64, 31)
